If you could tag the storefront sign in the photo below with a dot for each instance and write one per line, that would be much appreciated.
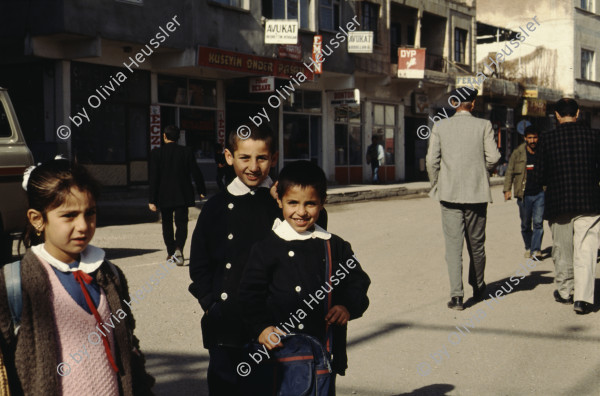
(411, 62)
(281, 31)
(291, 51)
(154, 126)
(469, 82)
(262, 84)
(245, 63)
(221, 127)
(534, 107)
(530, 92)
(360, 42)
(348, 96)
(316, 54)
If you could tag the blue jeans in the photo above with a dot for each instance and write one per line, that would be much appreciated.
(531, 210)
(375, 169)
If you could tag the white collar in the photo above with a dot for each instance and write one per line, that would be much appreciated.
(284, 230)
(91, 259)
(237, 187)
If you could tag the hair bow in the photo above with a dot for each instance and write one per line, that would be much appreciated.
(30, 169)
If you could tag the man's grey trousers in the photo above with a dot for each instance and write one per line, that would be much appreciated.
(464, 222)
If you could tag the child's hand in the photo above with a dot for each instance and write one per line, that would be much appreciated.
(152, 207)
(269, 340)
(338, 314)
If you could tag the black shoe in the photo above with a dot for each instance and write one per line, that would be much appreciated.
(456, 303)
(582, 307)
(561, 300)
(479, 294)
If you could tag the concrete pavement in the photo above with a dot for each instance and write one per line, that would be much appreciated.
(408, 342)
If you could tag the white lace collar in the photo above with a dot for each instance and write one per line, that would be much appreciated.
(91, 259)
(238, 188)
(284, 230)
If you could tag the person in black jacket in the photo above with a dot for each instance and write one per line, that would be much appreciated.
(285, 286)
(569, 166)
(171, 189)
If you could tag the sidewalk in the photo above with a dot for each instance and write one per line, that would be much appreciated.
(131, 207)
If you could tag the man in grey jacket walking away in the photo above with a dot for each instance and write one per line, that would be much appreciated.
(461, 151)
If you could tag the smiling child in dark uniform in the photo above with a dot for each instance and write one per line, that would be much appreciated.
(284, 281)
(229, 224)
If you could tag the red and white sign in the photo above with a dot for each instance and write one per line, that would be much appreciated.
(411, 62)
(317, 56)
(221, 127)
(154, 126)
(262, 84)
(290, 51)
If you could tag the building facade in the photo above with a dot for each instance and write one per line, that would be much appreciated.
(117, 72)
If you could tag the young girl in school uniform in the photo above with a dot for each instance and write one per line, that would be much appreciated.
(284, 284)
(76, 329)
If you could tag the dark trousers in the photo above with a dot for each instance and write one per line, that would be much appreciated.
(222, 376)
(462, 222)
(181, 222)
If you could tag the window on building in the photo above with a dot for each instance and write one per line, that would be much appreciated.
(299, 10)
(395, 41)
(369, 19)
(183, 91)
(460, 45)
(348, 135)
(329, 17)
(587, 4)
(244, 4)
(302, 132)
(587, 64)
(384, 126)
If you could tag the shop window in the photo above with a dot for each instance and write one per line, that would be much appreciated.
(303, 101)
(299, 10)
(384, 126)
(199, 127)
(460, 44)
(329, 17)
(182, 91)
(348, 135)
(370, 18)
(587, 64)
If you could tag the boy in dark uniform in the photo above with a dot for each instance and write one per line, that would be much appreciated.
(284, 284)
(229, 224)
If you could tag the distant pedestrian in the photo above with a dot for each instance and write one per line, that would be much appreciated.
(462, 151)
(528, 192)
(569, 167)
(375, 157)
(171, 169)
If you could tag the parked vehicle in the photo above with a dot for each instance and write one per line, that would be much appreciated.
(15, 157)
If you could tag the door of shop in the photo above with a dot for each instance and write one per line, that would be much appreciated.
(416, 149)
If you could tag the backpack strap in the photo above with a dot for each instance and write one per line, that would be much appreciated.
(114, 270)
(328, 266)
(12, 279)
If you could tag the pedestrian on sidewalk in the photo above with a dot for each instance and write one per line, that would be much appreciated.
(461, 152)
(376, 157)
(528, 192)
(568, 165)
(171, 169)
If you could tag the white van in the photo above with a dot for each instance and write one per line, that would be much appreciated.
(15, 157)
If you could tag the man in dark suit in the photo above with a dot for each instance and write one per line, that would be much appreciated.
(569, 167)
(171, 189)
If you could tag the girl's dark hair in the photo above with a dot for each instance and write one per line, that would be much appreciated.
(49, 186)
(303, 174)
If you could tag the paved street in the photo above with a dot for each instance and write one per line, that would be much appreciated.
(523, 344)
